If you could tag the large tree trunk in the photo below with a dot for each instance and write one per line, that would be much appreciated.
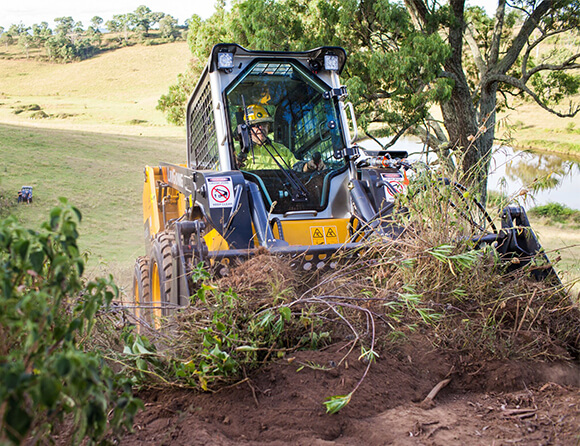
(459, 114)
(487, 121)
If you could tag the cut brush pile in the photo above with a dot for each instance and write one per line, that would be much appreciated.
(429, 283)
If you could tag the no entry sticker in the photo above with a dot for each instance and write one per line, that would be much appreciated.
(221, 192)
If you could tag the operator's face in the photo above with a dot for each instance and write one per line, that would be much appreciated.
(260, 132)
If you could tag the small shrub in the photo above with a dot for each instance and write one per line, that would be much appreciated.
(571, 128)
(136, 122)
(47, 311)
(39, 115)
(556, 213)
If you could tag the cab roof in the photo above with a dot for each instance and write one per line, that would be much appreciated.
(314, 57)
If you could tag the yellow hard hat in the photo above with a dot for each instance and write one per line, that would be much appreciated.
(256, 113)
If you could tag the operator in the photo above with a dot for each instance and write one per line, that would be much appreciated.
(263, 147)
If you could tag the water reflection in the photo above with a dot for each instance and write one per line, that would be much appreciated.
(540, 178)
(546, 177)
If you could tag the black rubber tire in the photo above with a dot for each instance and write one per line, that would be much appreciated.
(160, 272)
(141, 290)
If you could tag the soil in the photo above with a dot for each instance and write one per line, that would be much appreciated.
(484, 403)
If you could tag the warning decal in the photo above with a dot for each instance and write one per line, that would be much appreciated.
(330, 235)
(396, 181)
(317, 234)
(324, 235)
(221, 192)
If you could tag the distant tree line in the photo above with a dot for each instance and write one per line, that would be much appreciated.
(70, 41)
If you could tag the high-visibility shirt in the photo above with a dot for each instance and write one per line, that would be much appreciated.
(261, 159)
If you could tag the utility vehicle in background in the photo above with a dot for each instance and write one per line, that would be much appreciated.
(271, 164)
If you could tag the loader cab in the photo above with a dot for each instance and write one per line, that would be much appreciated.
(301, 97)
(295, 164)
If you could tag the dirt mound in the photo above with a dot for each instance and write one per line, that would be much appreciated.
(484, 339)
(533, 403)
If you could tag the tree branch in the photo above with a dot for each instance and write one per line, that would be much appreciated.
(531, 23)
(568, 64)
(418, 12)
(518, 83)
(539, 40)
(497, 31)
(479, 62)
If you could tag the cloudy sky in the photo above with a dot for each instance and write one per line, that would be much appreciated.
(35, 11)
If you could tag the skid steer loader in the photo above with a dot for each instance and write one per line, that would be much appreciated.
(271, 165)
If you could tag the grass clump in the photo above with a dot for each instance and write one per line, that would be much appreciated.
(40, 114)
(25, 108)
(137, 122)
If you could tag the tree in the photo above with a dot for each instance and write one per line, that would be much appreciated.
(41, 33)
(405, 59)
(168, 27)
(201, 36)
(24, 42)
(6, 38)
(93, 33)
(121, 23)
(64, 25)
(96, 22)
(114, 26)
(71, 42)
(501, 50)
(143, 19)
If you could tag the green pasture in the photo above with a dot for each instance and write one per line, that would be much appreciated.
(101, 174)
(111, 92)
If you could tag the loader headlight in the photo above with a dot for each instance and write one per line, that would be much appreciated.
(331, 62)
(225, 61)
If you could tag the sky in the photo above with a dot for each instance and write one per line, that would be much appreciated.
(35, 11)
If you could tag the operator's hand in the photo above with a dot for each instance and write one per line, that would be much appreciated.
(311, 166)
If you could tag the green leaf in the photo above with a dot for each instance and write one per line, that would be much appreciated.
(286, 313)
(336, 403)
(18, 420)
(63, 366)
(49, 391)
(37, 260)
(23, 247)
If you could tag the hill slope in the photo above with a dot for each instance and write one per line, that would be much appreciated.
(113, 89)
(102, 129)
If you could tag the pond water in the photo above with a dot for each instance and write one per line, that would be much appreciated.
(512, 171)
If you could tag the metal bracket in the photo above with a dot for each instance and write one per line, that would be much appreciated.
(341, 93)
(351, 152)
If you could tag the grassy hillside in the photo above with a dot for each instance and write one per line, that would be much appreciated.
(100, 173)
(101, 131)
(110, 92)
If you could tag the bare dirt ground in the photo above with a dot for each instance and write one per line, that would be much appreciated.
(485, 403)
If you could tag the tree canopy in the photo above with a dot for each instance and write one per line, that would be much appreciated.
(404, 59)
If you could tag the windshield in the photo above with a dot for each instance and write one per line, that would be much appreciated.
(294, 131)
